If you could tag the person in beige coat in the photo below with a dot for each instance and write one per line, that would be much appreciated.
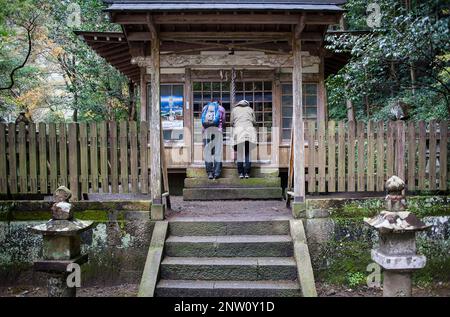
(245, 136)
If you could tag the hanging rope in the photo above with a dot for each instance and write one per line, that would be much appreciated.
(233, 87)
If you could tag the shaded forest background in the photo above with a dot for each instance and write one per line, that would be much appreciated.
(400, 68)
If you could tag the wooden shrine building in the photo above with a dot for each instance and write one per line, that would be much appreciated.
(185, 53)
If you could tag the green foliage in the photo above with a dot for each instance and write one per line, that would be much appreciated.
(378, 75)
(355, 279)
(63, 74)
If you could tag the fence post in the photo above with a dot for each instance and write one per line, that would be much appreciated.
(443, 153)
(3, 170)
(73, 162)
(400, 150)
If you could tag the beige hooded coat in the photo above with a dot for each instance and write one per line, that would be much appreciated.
(243, 122)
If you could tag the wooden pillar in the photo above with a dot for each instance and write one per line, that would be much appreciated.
(322, 100)
(144, 97)
(299, 138)
(157, 212)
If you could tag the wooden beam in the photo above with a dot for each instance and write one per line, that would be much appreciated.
(298, 127)
(151, 27)
(225, 19)
(143, 87)
(218, 36)
(300, 26)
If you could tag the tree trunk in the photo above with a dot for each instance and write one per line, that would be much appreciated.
(350, 108)
(413, 78)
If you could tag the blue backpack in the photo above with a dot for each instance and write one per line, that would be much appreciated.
(211, 115)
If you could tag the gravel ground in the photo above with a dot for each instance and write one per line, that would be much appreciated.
(130, 290)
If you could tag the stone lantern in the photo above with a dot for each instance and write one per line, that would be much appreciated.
(397, 253)
(61, 244)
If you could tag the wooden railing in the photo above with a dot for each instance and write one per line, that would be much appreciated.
(349, 156)
(111, 157)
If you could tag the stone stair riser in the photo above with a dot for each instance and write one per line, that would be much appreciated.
(208, 228)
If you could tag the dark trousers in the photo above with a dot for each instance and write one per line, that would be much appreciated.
(244, 163)
(213, 153)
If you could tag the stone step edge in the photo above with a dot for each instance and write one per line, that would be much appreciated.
(215, 284)
(230, 261)
(230, 239)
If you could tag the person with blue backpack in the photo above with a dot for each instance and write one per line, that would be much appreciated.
(213, 120)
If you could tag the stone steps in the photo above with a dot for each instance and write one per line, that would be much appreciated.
(231, 172)
(228, 269)
(235, 182)
(226, 193)
(217, 227)
(191, 288)
(229, 246)
(224, 257)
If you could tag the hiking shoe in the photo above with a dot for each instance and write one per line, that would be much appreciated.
(210, 176)
(241, 176)
(247, 176)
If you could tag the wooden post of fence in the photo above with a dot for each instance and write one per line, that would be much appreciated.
(390, 150)
(331, 157)
(341, 156)
(12, 158)
(93, 136)
(370, 157)
(432, 160)
(113, 158)
(400, 150)
(351, 157)
(103, 143)
(32, 150)
(43, 181)
(63, 181)
(134, 157)
(23, 176)
(123, 142)
(322, 157)
(312, 156)
(3, 167)
(361, 156)
(443, 152)
(53, 156)
(84, 158)
(411, 181)
(144, 156)
(380, 156)
(422, 154)
(74, 161)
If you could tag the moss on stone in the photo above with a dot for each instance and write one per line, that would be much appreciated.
(18, 215)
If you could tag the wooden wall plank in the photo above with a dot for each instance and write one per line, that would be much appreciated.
(370, 156)
(124, 156)
(53, 157)
(84, 158)
(113, 157)
(12, 158)
(63, 180)
(400, 150)
(380, 156)
(22, 143)
(361, 156)
(422, 152)
(322, 156)
(74, 167)
(143, 132)
(390, 150)
(432, 157)
(341, 156)
(3, 160)
(443, 155)
(103, 144)
(43, 173)
(351, 157)
(312, 156)
(331, 156)
(32, 151)
(411, 180)
(94, 152)
(134, 167)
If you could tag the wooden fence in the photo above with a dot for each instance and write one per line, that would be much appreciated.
(104, 157)
(358, 156)
(111, 157)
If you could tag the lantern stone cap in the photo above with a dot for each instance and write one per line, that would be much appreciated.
(402, 221)
(399, 263)
(62, 227)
